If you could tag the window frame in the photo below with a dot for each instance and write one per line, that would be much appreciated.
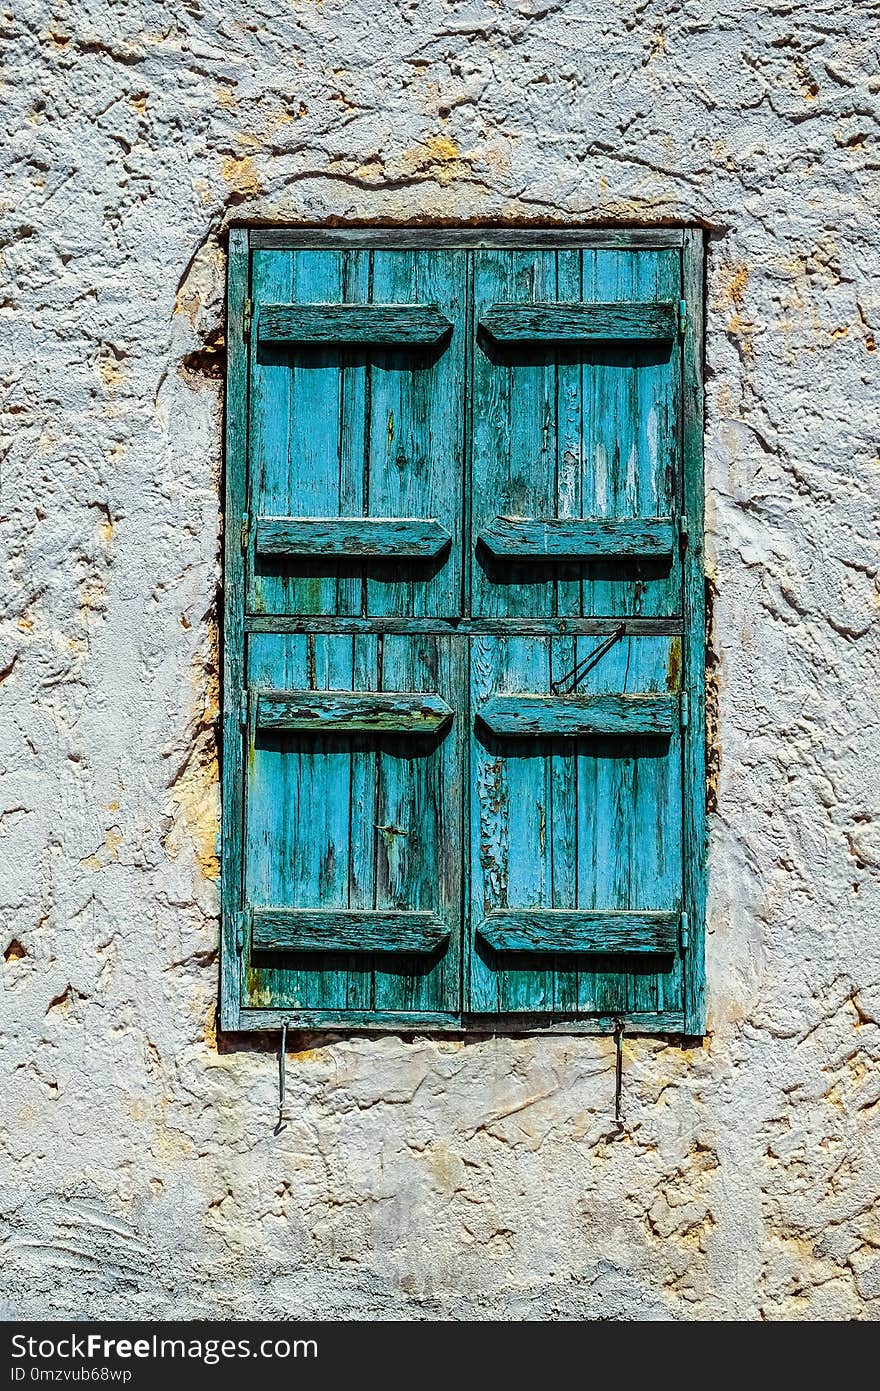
(242, 241)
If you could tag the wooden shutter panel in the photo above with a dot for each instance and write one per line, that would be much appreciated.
(576, 828)
(463, 704)
(576, 818)
(356, 432)
(353, 825)
(576, 439)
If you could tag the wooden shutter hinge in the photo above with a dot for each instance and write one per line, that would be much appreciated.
(685, 712)
(247, 319)
(242, 929)
(685, 937)
(682, 317)
(684, 531)
(243, 708)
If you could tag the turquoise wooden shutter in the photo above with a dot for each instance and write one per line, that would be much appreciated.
(354, 731)
(463, 719)
(576, 823)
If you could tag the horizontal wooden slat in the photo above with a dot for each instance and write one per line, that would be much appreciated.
(515, 626)
(377, 1021)
(386, 325)
(568, 538)
(414, 238)
(575, 716)
(333, 929)
(578, 931)
(578, 323)
(352, 712)
(400, 537)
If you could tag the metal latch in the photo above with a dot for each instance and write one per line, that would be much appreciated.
(573, 678)
(247, 319)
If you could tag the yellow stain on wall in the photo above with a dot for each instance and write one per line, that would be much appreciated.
(438, 156)
(373, 169)
(112, 373)
(195, 792)
(732, 281)
(242, 174)
(106, 854)
(197, 807)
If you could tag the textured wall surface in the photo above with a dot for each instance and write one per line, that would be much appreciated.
(138, 1169)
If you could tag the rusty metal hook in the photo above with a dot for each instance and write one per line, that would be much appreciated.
(618, 1075)
(282, 1053)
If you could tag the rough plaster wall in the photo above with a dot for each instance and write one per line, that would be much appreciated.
(140, 1174)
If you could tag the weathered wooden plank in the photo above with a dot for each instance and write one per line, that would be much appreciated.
(374, 325)
(560, 1021)
(355, 370)
(526, 664)
(578, 323)
(234, 642)
(298, 410)
(362, 818)
(337, 930)
(567, 538)
(417, 831)
(579, 716)
(352, 712)
(657, 1022)
(572, 441)
(654, 871)
(489, 817)
(414, 435)
(511, 829)
(537, 625)
(408, 238)
(629, 440)
(578, 931)
(694, 674)
(398, 537)
(571, 436)
(514, 448)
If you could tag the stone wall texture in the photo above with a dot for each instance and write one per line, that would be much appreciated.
(416, 1178)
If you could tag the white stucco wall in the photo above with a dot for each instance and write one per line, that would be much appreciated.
(139, 1170)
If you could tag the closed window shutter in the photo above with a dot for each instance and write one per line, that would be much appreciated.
(576, 786)
(460, 781)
